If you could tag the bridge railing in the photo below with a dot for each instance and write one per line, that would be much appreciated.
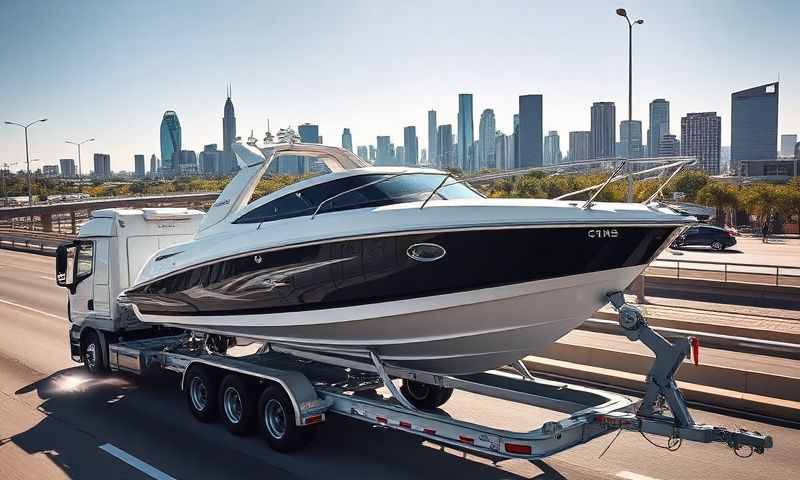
(727, 272)
(32, 241)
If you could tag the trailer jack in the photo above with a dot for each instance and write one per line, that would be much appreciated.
(662, 392)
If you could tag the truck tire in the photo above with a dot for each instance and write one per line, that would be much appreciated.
(276, 419)
(237, 404)
(201, 393)
(425, 396)
(92, 354)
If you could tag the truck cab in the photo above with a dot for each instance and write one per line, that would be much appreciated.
(105, 258)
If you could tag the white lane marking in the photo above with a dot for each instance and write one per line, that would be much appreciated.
(134, 462)
(633, 476)
(34, 310)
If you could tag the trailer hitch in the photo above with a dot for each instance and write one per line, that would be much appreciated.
(661, 388)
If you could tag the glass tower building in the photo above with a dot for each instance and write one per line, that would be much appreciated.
(754, 124)
(602, 143)
(529, 133)
(659, 125)
(170, 141)
(466, 135)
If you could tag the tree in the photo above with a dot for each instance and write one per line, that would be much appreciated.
(760, 199)
(720, 196)
(789, 201)
(690, 183)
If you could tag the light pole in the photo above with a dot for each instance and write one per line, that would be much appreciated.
(6, 168)
(27, 157)
(80, 173)
(622, 13)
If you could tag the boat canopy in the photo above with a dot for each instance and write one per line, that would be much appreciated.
(335, 158)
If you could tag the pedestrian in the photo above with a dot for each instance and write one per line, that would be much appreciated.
(765, 229)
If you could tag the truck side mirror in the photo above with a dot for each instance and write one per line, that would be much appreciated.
(65, 266)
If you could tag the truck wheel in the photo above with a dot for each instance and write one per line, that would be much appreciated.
(277, 421)
(92, 354)
(201, 388)
(425, 396)
(237, 404)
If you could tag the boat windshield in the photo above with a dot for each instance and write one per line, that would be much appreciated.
(361, 191)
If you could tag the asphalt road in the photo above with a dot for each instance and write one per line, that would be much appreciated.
(55, 422)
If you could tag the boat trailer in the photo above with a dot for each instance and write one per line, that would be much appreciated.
(319, 383)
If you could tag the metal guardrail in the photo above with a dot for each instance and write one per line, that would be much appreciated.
(31, 243)
(726, 272)
(710, 340)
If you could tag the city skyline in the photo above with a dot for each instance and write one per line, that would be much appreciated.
(97, 88)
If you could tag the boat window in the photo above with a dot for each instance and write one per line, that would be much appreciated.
(394, 189)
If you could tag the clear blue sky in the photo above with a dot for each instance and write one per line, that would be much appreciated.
(110, 69)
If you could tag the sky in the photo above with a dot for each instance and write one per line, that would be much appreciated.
(109, 69)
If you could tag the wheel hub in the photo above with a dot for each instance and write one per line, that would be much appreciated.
(232, 403)
(275, 418)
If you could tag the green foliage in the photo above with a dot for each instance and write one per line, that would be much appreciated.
(690, 183)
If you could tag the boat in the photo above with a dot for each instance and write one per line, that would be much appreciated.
(410, 264)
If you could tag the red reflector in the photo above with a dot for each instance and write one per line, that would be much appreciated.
(695, 350)
(405, 424)
(380, 419)
(468, 440)
(518, 449)
(313, 419)
(429, 431)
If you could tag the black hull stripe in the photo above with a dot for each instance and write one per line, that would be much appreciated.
(377, 269)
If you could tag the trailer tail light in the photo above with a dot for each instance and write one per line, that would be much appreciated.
(429, 431)
(405, 424)
(695, 342)
(467, 440)
(518, 449)
(381, 419)
(312, 419)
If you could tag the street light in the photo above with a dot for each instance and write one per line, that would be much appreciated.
(622, 13)
(27, 157)
(80, 173)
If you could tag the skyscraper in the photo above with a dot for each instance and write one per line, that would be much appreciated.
(293, 165)
(383, 156)
(186, 163)
(347, 140)
(579, 145)
(138, 166)
(432, 137)
(153, 165)
(444, 147)
(754, 124)
(602, 143)
(659, 125)
(170, 140)
(229, 163)
(701, 138)
(552, 148)
(515, 142)
(102, 165)
(67, 167)
(363, 153)
(787, 145)
(410, 146)
(530, 131)
(669, 146)
(636, 139)
(372, 153)
(210, 160)
(465, 132)
(486, 140)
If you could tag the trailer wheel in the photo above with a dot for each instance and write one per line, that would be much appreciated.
(425, 396)
(237, 404)
(92, 354)
(201, 388)
(277, 421)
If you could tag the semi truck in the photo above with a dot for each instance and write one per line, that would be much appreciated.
(286, 394)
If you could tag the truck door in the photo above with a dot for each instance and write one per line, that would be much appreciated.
(102, 290)
(82, 301)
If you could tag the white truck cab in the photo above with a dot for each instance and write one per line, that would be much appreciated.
(111, 249)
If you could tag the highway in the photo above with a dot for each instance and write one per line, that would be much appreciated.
(55, 422)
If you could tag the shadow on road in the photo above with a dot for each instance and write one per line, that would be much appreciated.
(147, 417)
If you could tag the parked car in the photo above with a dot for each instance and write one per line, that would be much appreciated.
(705, 235)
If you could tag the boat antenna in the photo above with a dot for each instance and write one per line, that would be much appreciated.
(603, 185)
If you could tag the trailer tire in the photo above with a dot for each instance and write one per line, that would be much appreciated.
(201, 393)
(425, 396)
(276, 419)
(237, 404)
(92, 354)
